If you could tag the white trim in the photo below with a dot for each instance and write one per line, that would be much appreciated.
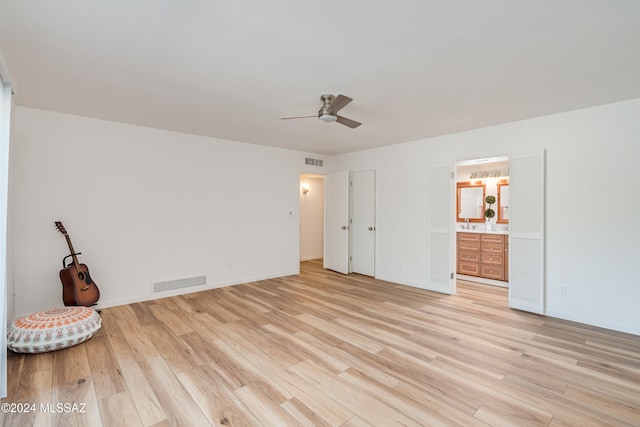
(200, 288)
(5, 122)
(599, 323)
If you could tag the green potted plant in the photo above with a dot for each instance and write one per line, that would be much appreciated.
(489, 212)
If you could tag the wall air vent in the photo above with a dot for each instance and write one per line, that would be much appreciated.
(179, 284)
(313, 162)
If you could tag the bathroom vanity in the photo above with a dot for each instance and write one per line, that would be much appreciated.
(483, 255)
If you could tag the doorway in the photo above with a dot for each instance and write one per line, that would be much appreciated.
(482, 221)
(337, 220)
(311, 216)
(525, 229)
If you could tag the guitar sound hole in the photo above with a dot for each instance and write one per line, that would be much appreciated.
(81, 275)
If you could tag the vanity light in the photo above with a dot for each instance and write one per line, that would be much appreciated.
(305, 188)
(479, 177)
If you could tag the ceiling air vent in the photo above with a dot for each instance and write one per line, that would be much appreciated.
(313, 162)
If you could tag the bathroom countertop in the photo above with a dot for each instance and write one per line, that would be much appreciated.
(482, 230)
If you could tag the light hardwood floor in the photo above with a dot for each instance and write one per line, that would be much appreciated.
(323, 349)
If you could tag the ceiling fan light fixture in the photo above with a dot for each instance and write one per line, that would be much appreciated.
(329, 111)
(328, 117)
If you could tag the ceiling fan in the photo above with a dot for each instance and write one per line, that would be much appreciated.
(330, 107)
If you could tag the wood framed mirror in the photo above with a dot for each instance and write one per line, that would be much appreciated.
(503, 203)
(470, 202)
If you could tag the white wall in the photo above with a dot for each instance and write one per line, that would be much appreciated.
(145, 205)
(311, 218)
(591, 216)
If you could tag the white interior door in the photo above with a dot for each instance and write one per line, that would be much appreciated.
(363, 222)
(336, 222)
(441, 243)
(526, 232)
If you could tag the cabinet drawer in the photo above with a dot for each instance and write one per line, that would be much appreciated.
(491, 248)
(469, 246)
(469, 256)
(469, 237)
(468, 268)
(493, 238)
(492, 259)
(492, 272)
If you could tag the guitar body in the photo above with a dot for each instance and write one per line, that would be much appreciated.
(77, 286)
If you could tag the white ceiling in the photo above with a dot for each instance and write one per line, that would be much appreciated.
(230, 69)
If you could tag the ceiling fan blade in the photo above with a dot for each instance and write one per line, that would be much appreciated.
(348, 122)
(339, 103)
(298, 117)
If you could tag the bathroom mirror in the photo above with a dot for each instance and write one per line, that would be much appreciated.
(470, 202)
(503, 203)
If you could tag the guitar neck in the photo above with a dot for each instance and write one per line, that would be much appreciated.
(73, 252)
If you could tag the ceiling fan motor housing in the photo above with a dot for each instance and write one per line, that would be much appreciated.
(324, 114)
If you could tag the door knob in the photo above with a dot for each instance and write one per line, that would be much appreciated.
(344, 227)
(371, 228)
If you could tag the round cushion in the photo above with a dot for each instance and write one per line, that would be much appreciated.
(52, 329)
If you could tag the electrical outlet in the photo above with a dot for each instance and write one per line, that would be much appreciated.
(563, 290)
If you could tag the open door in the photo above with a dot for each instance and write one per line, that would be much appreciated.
(526, 232)
(442, 246)
(336, 222)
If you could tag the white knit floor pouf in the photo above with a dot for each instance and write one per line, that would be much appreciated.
(53, 329)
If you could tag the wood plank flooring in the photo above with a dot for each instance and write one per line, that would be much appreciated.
(323, 349)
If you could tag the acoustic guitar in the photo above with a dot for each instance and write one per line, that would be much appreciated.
(77, 286)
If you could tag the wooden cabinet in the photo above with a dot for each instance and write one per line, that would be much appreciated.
(483, 255)
(468, 259)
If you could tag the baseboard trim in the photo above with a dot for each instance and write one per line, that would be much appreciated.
(185, 291)
(627, 329)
